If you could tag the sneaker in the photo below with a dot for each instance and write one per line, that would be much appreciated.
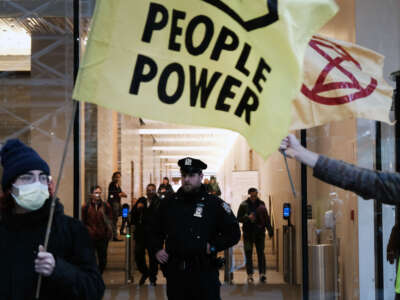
(263, 278)
(250, 279)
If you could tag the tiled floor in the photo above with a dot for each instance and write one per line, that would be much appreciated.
(117, 278)
(114, 277)
(275, 289)
(231, 292)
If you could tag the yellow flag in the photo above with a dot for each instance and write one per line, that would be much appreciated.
(341, 81)
(234, 64)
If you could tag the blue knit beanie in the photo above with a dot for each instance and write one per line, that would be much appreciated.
(17, 159)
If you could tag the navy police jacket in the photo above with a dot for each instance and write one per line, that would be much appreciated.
(186, 222)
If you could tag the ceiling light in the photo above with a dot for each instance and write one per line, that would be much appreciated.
(186, 148)
(180, 131)
(15, 48)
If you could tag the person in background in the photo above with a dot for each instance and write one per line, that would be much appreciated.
(206, 184)
(97, 216)
(165, 189)
(114, 198)
(190, 228)
(68, 265)
(254, 216)
(213, 187)
(143, 214)
(368, 184)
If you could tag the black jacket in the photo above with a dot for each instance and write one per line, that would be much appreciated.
(168, 189)
(262, 221)
(187, 222)
(113, 193)
(75, 276)
(143, 218)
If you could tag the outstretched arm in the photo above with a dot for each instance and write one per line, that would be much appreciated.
(369, 184)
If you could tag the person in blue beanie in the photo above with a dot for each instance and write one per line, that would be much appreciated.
(68, 267)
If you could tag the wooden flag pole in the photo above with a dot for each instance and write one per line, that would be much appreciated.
(54, 197)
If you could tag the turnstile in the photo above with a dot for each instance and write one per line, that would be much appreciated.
(288, 254)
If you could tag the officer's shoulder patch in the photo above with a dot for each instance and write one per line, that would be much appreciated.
(227, 207)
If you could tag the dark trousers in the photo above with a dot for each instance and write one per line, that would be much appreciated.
(100, 247)
(124, 223)
(116, 209)
(192, 284)
(140, 257)
(259, 241)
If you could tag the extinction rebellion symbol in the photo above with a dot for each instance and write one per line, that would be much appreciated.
(270, 16)
(322, 47)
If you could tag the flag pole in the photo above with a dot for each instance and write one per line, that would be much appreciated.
(289, 174)
(54, 197)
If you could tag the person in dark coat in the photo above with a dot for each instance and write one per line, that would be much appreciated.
(97, 216)
(165, 189)
(115, 194)
(254, 216)
(193, 225)
(68, 266)
(143, 214)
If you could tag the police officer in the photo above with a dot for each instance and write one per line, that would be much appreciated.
(194, 226)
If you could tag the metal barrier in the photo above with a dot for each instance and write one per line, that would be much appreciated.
(228, 274)
(288, 254)
(277, 249)
(128, 253)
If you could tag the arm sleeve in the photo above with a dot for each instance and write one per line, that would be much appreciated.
(157, 233)
(112, 191)
(79, 277)
(242, 215)
(218, 191)
(228, 231)
(84, 214)
(134, 214)
(85, 220)
(369, 184)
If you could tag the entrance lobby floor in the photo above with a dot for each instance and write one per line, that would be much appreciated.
(117, 277)
(231, 292)
(275, 289)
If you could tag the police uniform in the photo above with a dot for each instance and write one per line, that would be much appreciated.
(186, 222)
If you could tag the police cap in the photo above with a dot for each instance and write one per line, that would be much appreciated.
(191, 165)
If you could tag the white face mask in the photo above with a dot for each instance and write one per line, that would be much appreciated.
(30, 196)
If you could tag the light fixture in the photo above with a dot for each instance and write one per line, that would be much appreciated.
(15, 48)
(177, 157)
(187, 148)
(184, 131)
